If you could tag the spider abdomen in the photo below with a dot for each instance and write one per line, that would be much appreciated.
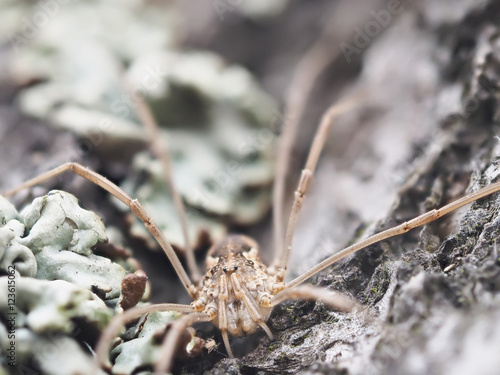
(240, 322)
(234, 285)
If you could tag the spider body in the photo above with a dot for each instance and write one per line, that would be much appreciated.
(236, 290)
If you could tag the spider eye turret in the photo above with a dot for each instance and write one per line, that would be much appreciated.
(230, 269)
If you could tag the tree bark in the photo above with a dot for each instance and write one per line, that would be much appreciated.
(428, 136)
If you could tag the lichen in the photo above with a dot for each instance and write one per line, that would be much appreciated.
(61, 235)
(209, 111)
(59, 291)
(12, 252)
(222, 172)
(142, 348)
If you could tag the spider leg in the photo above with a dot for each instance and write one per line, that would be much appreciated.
(222, 313)
(171, 341)
(397, 230)
(111, 330)
(283, 256)
(133, 204)
(160, 150)
(308, 69)
(315, 60)
(225, 338)
(331, 298)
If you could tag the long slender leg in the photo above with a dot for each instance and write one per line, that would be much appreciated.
(227, 344)
(319, 56)
(222, 313)
(307, 173)
(110, 332)
(399, 229)
(133, 204)
(171, 341)
(315, 60)
(159, 149)
(334, 299)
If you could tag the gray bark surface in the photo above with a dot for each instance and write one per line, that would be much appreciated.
(429, 137)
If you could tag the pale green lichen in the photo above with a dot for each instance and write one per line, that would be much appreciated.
(51, 313)
(52, 309)
(61, 235)
(72, 228)
(48, 317)
(12, 252)
(219, 124)
(142, 348)
(53, 354)
(46, 306)
(219, 128)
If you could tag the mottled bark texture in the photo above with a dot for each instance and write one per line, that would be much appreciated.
(432, 296)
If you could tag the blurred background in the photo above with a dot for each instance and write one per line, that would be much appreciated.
(218, 75)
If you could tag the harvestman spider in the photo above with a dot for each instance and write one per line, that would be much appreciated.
(238, 292)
